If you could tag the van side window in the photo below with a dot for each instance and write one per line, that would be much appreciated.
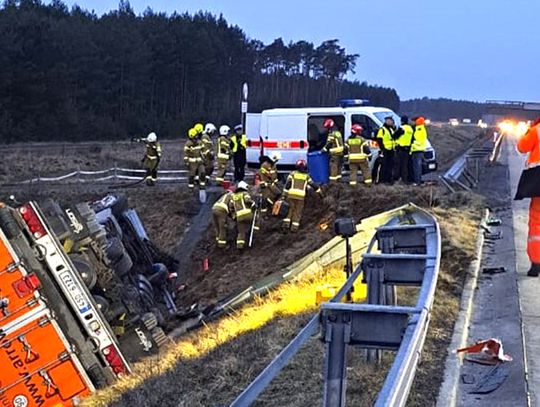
(369, 126)
(316, 133)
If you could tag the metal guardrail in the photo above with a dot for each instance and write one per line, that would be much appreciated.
(409, 249)
(465, 172)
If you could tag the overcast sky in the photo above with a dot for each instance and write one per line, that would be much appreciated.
(463, 49)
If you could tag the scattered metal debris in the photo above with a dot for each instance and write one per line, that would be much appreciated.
(492, 380)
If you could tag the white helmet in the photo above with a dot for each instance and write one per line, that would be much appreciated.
(209, 128)
(242, 185)
(276, 156)
(151, 138)
(224, 130)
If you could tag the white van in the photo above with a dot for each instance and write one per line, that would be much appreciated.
(295, 131)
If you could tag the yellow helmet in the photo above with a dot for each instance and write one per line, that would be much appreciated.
(192, 132)
(199, 127)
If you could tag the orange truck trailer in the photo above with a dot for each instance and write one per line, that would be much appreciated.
(57, 341)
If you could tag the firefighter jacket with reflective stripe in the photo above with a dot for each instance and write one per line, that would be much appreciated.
(405, 139)
(223, 203)
(384, 134)
(530, 143)
(419, 139)
(241, 204)
(193, 151)
(268, 174)
(297, 183)
(207, 146)
(242, 145)
(334, 143)
(153, 151)
(357, 148)
(223, 148)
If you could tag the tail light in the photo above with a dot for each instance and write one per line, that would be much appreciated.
(114, 359)
(34, 224)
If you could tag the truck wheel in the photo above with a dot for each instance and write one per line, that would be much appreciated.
(88, 274)
(159, 337)
(8, 223)
(102, 304)
(115, 249)
(120, 205)
(150, 321)
(97, 376)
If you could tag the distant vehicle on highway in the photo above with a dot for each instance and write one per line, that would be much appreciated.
(454, 122)
(296, 131)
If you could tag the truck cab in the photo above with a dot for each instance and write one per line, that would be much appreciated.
(296, 131)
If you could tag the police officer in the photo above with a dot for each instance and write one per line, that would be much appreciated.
(238, 147)
(403, 138)
(418, 147)
(387, 146)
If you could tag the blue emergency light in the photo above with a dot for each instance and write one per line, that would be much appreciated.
(353, 102)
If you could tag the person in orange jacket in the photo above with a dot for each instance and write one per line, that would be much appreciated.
(529, 187)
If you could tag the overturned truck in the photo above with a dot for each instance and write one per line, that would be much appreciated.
(83, 292)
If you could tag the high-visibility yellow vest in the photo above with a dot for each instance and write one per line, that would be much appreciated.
(241, 208)
(224, 148)
(406, 138)
(222, 204)
(299, 182)
(385, 134)
(334, 143)
(419, 139)
(235, 145)
(356, 147)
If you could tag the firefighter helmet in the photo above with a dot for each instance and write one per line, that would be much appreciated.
(238, 127)
(151, 138)
(356, 129)
(192, 133)
(224, 130)
(198, 128)
(242, 186)
(301, 165)
(276, 156)
(328, 124)
(209, 128)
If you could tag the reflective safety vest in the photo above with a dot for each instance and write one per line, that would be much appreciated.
(385, 134)
(235, 145)
(334, 143)
(207, 146)
(241, 204)
(357, 147)
(530, 143)
(223, 148)
(419, 139)
(405, 139)
(153, 150)
(222, 204)
(192, 151)
(297, 184)
(268, 173)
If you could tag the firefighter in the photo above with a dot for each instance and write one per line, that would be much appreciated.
(221, 211)
(242, 206)
(418, 146)
(238, 148)
(208, 149)
(358, 152)
(152, 157)
(529, 187)
(223, 152)
(295, 195)
(194, 161)
(386, 145)
(403, 138)
(268, 177)
(334, 145)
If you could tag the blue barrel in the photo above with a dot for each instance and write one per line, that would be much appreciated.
(318, 166)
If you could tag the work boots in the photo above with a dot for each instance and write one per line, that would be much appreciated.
(534, 270)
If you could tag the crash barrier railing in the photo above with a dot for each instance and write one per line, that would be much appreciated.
(409, 250)
(465, 171)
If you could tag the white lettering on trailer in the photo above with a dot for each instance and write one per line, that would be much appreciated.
(75, 224)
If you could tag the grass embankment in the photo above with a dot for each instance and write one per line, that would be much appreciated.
(211, 366)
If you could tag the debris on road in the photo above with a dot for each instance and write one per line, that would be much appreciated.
(494, 270)
(492, 380)
(486, 352)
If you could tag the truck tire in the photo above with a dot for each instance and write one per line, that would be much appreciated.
(87, 272)
(9, 224)
(149, 320)
(115, 249)
(123, 265)
(120, 206)
(97, 376)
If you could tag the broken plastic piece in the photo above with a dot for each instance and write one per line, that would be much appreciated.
(489, 351)
(493, 270)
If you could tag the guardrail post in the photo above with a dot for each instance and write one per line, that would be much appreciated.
(335, 363)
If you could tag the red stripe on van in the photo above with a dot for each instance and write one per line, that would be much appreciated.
(279, 144)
